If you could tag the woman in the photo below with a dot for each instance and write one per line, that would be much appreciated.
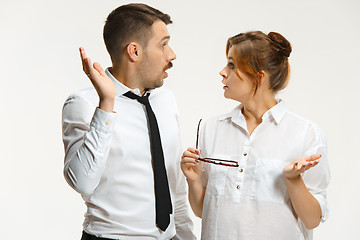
(274, 191)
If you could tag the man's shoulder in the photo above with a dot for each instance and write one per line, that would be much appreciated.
(88, 95)
(164, 94)
(163, 91)
(89, 92)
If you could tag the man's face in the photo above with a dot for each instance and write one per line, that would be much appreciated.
(157, 57)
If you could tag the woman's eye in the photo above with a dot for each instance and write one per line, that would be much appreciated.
(231, 65)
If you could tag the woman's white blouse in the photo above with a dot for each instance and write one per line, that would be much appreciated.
(251, 201)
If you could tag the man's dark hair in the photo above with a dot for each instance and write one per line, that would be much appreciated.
(131, 22)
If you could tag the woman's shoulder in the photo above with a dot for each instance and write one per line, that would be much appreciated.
(305, 124)
(294, 117)
(212, 120)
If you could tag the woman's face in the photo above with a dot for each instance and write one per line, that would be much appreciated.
(238, 86)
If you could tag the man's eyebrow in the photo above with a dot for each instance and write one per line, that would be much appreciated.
(230, 58)
(165, 38)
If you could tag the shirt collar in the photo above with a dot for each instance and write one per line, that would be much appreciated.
(120, 87)
(236, 112)
(277, 112)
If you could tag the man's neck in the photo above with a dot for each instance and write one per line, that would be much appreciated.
(126, 77)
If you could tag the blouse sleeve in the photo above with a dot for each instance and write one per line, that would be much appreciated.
(317, 178)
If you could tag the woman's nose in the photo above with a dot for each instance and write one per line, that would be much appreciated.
(223, 73)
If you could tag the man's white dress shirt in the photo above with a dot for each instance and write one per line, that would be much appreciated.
(108, 161)
(251, 202)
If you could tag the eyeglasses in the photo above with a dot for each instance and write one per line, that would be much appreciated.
(222, 162)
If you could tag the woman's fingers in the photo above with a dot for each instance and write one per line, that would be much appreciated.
(193, 150)
(189, 160)
(301, 165)
(313, 157)
(309, 162)
(191, 153)
(190, 157)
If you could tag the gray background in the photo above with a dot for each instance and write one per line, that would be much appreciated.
(40, 67)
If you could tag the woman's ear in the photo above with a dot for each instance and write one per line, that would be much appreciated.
(261, 76)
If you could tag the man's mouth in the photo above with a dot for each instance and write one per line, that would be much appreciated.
(166, 68)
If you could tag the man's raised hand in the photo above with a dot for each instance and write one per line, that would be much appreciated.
(101, 82)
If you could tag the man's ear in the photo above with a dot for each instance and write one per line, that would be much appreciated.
(133, 50)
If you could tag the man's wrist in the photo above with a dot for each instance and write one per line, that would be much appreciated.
(107, 105)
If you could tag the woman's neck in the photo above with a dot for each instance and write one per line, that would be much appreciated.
(255, 108)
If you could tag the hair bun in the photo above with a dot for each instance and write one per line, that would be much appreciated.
(281, 43)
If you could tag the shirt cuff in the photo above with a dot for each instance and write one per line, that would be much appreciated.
(323, 205)
(103, 121)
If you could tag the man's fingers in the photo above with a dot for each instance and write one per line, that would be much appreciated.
(87, 66)
(82, 60)
(82, 56)
(82, 53)
(86, 62)
(99, 68)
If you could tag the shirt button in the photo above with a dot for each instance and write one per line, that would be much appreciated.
(241, 170)
(238, 186)
(245, 154)
(107, 123)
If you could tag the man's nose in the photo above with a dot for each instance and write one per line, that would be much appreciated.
(171, 56)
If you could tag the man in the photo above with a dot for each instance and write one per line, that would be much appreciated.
(128, 176)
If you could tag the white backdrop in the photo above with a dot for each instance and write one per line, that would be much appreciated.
(40, 67)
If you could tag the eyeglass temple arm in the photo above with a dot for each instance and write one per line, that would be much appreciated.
(197, 134)
(220, 160)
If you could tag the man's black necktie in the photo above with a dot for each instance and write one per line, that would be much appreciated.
(163, 204)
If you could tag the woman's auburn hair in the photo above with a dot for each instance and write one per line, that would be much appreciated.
(255, 51)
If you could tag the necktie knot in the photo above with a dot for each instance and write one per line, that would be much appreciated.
(144, 99)
(141, 99)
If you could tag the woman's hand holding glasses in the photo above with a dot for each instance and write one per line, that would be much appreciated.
(190, 165)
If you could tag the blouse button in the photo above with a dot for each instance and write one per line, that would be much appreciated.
(238, 186)
(107, 123)
(245, 154)
(241, 170)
